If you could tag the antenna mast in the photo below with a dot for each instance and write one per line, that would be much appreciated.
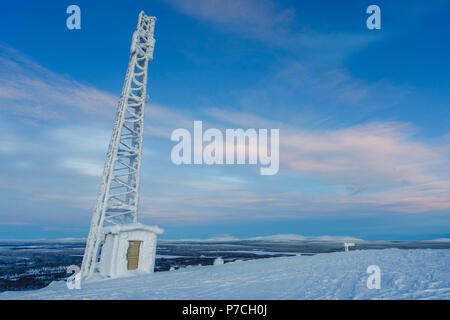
(117, 199)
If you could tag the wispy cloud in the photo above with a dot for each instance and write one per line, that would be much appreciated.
(31, 91)
(256, 18)
(379, 163)
(87, 166)
(271, 23)
(13, 223)
(83, 202)
(344, 169)
(380, 152)
(308, 96)
(163, 120)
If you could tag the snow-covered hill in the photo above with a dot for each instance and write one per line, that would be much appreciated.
(405, 274)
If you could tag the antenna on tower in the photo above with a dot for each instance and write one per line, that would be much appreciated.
(117, 198)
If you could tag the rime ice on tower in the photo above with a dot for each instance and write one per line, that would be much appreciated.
(115, 237)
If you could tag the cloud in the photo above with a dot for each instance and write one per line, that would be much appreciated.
(83, 138)
(281, 237)
(380, 152)
(378, 167)
(87, 167)
(235, 202)
(261, 19)
(29, 90)
(13, 223)
(83, 202)
(269, 22)
(314, 96)
(433, 196)
(225, 11)
(382, 165)
(8, 143)
(163, 120)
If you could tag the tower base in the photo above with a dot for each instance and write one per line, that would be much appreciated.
(128, 248)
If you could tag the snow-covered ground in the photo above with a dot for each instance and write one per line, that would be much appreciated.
(405, 274)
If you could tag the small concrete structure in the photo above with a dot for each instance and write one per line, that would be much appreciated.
(127, 248)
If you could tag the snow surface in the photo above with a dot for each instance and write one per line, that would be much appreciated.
(405, 274)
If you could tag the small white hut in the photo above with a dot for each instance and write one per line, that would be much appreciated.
(127, 248)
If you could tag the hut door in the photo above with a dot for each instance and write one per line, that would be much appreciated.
(133, 254)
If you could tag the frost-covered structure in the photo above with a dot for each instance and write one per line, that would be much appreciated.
(128, 247)
(347, 245)
(117, 199)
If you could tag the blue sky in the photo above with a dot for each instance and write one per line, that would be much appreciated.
(364, 116)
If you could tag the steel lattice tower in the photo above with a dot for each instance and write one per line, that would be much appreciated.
(117, 199)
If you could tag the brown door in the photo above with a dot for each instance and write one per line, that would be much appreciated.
(133, 254)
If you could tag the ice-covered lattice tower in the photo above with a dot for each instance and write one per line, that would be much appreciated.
(117, 199)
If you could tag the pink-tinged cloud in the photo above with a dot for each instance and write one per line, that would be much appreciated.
(380, 153)
(234, 202)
